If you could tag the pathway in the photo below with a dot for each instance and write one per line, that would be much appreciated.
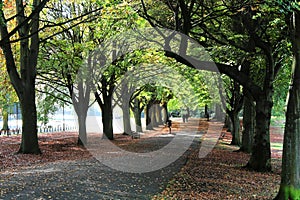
(90, 179)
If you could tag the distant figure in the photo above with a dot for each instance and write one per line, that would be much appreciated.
(184, 115)
(169, 124)
(206, 112)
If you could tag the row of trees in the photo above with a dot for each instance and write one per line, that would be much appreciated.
(250, 42)
(260, 35)
(66, 35)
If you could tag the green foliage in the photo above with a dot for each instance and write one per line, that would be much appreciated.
(2, 22)
(7, 94)
(175, 104)
(288, 5)
(202, 83)
(46, 106)
(281, 87)
(291, 192)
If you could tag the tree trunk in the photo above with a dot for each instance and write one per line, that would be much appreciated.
(24, 82)
(29, 143)
(5, 127)
(235, 132)
(126, 118)
(80, 100)
(137, 115)
(106, 108)
(82, 137)
(165, 115)
(261, 152)
(107, 118)
(228, 123)
(148, 117)
(248, 124)
(218, 111)
(290, 182)
(248, 116)
(153, 115)
(159, 115)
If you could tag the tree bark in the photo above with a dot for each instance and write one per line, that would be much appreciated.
(153, 115)
(228, 123)
(107, 118)
(80, 100)
(235, 131)
(29, 143)
(81, 106)
(5, 127)
(218, 111)
(137, 115)
(165, 114)
(248, 115)
(290, 182)
(106, 89)
(261, 152)
(248, 124)
(24, 82)
(158, 114)
(82, 137)
(149, 125)
(126, 117)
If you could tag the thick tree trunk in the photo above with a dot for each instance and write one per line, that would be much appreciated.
(29, 143)
(261, 152)
(153, 115)
(159, 115)
(106, 109)
(80, 100)
(137, 115)
(148, 118)
(228, 123)
(24, 82)
(82, 137)
(126, 118)
(107, 118)
(5, 128)
(248, 124)
(165, 115)
(235, 132)
(290, 182)
(218, 111)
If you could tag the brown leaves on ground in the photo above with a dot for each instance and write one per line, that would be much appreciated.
(54, 146)
(221, 175)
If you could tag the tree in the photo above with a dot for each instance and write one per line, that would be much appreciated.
(110, 59)
(63, 74)
(290, 183)
(23, 81)
(257, 37)
(123, 100)
(21, 67)
(234, 106)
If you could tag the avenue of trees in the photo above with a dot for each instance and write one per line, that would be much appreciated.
(47, 48)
